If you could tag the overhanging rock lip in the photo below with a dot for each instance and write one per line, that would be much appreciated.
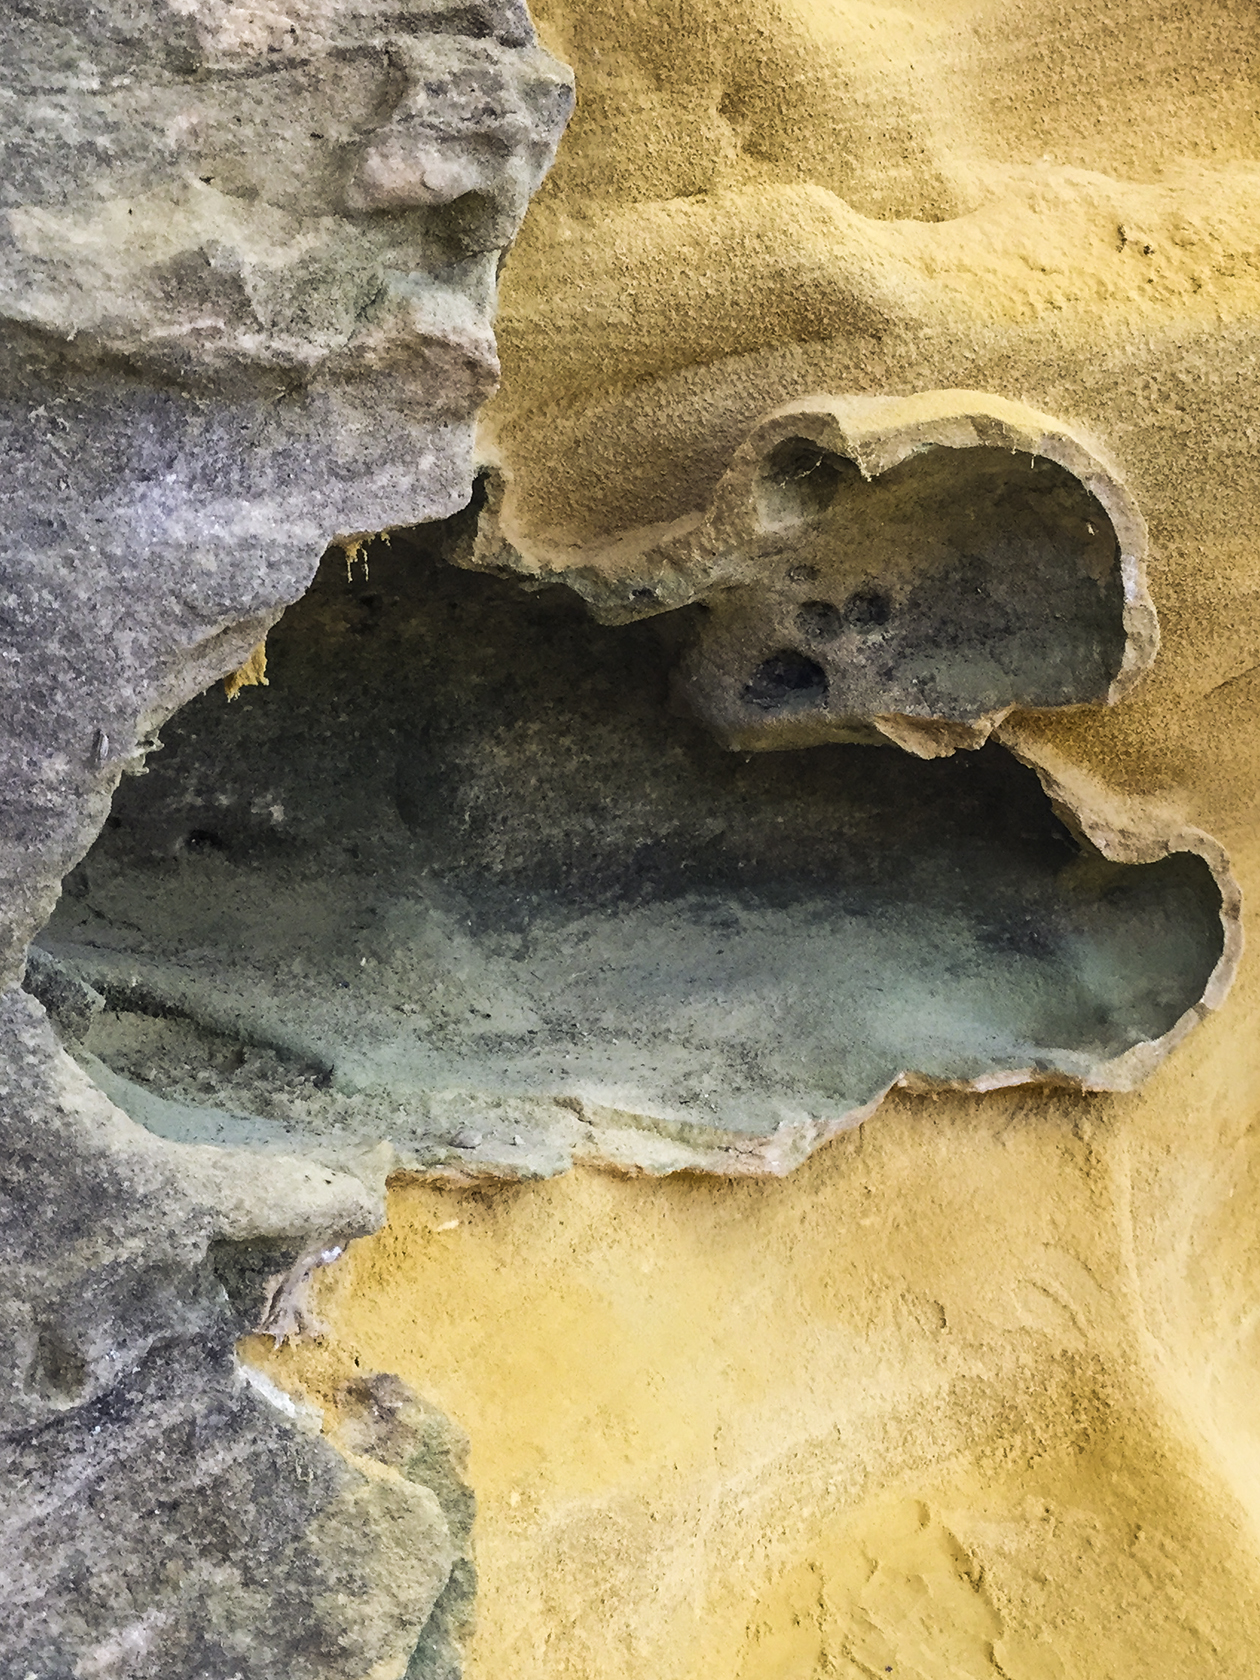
(879, 433)
(640, 573)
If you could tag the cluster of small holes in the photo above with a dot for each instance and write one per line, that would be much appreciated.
(799, 480)
(792, 679)
(865, 611)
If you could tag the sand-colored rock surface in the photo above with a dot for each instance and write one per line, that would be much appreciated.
(971, 1392)
(967, 1395)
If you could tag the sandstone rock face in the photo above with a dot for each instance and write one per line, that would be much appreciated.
(970, 1391)
(833, 714)
(249, 259)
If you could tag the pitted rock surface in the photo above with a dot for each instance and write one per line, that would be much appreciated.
(905, 568)
(464, 886)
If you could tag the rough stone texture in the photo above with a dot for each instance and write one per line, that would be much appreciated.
(461, 892)
(926, 580)
(971, 1392)
(248, 260)
(219, 353)
(164, 1515)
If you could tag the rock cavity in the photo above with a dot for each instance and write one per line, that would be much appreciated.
(464, 877)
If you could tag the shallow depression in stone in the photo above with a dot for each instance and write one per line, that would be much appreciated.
(461, 854)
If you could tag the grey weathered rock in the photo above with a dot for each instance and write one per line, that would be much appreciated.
(218, 354)
(247, 280)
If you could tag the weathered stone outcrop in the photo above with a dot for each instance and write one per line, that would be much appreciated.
(786, 732)
(247, 282)
(971, 1390)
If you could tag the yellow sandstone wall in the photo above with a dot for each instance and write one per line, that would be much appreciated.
(972, 1392)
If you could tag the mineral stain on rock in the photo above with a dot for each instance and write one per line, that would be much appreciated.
(466, 859)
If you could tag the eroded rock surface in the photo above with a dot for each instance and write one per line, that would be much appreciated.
(463, 882)
(973, 1388)
(220, 350)
(911, 569)
(972, 1391)
(248, 263)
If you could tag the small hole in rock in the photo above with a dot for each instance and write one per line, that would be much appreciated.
(60, 1371)
(867, 609)
(787, 678)
(820, 619)
(799, 480)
